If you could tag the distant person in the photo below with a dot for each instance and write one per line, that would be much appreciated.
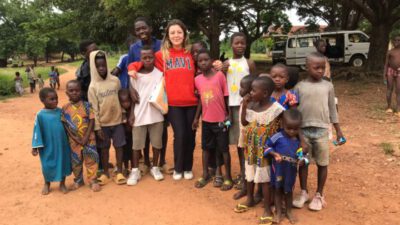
(52, 77)
(51, 142)
(214, 110)
(145, 118)
(317, 106)
(83, 72)
(19, 83)
(30, 73)
(320, 46)
(40, 81)
(103, 96)
(392, 75)
(57, 78)
(78, 120)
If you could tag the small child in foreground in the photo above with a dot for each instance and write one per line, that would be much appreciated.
(126, 104)
(317, 106)
(287, 98)
(78, 119)
(213, 106)
(261, 119)
(50, 142)
(285, 144)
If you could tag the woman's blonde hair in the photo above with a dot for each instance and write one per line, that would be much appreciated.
(166, 43)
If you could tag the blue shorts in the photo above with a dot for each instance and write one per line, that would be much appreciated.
(283, 175)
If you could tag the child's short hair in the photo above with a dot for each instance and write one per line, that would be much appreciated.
(146, 48)
(293, 115)
(44, 92)
(238, 34)
(100, 55)
(293, 72)
(248, 79)
(203, 51)
(73, 82)
(84, 44)
(17, 73)
(282, 66)
(267, 83)
(143, 19)
(124, 93)
(319, 41)
(315, 55)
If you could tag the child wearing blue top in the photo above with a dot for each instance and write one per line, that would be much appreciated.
(50, 142)
(284, 146)
(287, 98)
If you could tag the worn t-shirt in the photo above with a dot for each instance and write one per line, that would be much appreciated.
(145, 84)
(212, 91)
(317, 103)
(238, 68)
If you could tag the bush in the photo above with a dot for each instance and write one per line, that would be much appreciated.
(7, 86)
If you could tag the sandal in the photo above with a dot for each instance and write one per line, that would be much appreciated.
(227, 185)
(218, 181)
(120, 179)
(201, 182)
(240, 208)
(265, 220)
(103, 179)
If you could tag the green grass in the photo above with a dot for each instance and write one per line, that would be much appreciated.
(387, 148)
(112, 62)
(7, 75)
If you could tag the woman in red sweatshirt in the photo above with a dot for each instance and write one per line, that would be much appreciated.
(176, 62)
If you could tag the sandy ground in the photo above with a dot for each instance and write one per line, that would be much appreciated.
(362, 187)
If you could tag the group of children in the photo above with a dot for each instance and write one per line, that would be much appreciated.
(54, 76)
(273, 128)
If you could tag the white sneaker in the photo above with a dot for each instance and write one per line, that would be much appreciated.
(301, 199)
(176, 175)
(156, 173)
(188, 175)
(134, 177)
(317, 203)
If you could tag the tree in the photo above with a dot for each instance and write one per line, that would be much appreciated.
(383, 15)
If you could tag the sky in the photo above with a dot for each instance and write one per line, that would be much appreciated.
(295, 20)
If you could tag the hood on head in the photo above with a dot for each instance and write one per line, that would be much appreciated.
(94, 75)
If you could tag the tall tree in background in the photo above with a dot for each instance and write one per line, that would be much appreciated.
(383, 15)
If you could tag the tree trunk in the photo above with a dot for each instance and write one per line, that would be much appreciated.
(214, 31)
(72, 56)
(379, 41)
(3, 62)
(47, 57)
(249, 41)
(62, 56)
(35, 59)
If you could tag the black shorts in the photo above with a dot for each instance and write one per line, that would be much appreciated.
(115, 133)
(214, 136)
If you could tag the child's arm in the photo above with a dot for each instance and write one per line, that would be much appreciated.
(333, 116)
(195, 123)
(228, 109)
(245, 101)
(72, 135)
(37, 140)
(252, 67)
(385, 68)
(89, 130)
(269, 150)
(225, 66)
(95, 105)
(131, 120)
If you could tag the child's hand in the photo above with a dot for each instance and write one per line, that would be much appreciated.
(35, 151)
(84, 140)
(135, 96)
(277, 157)
(246, 100)
(115, 71)
(100, 134)
(218, 65)
(131, 119)
(339, 136)
(225, 66)
(302, 162)
(195, 124)
(133, 74)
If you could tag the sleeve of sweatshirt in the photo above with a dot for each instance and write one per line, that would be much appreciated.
(333, 115)
(159, 62)
(95, 105)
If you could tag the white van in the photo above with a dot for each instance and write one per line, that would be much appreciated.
(341, 46)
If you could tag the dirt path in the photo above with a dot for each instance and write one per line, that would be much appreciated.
(362, 187)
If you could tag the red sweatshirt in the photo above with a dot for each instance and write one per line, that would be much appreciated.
(179, 74)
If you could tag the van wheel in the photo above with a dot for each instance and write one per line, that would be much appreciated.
(357, 61)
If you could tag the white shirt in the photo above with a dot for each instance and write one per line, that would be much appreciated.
(238, 68)
(145, 84)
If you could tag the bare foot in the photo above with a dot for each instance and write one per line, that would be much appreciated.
(75, 186)
(292, 219)
(46, 189)
(95, 187)
(277, 218)
(240, 194)
(63, 188)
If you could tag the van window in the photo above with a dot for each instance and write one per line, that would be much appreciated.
(292, 43)
(306, 42)
(357, 38)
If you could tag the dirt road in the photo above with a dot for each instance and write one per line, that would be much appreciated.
(362, 187)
